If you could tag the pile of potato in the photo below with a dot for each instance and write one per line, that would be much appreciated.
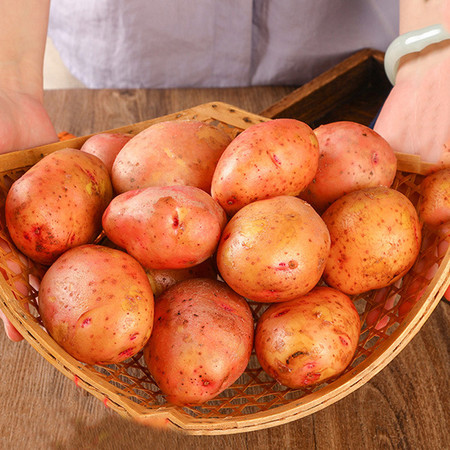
(198, 224)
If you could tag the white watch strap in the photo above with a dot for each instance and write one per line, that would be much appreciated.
(411, 42)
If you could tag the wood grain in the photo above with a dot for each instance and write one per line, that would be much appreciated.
(405, 406)
(354, 89)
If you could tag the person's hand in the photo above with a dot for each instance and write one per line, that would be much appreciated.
(24, 123)
(11, 332)
(415, 118)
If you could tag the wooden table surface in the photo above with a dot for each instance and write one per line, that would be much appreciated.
(405, 406)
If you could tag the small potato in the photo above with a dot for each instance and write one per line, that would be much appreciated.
(434, 208)
(183, 152)
(278, 157)
(170, 227)
(201, 342)
(273, 250)
(375, 239)
(58, 204)
(307, 340)
(97, 303)
(106, 146)
(163, 279)
(352, 156)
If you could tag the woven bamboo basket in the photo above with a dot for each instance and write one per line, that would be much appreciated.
(390, 318)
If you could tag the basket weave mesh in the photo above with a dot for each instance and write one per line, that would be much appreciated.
(390, 317)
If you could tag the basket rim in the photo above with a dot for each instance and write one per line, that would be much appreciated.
(215, 110)
(171, 416)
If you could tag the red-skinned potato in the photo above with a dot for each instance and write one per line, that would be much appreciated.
(163, 279)
(97, 303)
(307, 340)
(278, 157)
(201, 341)
(352, 156)
(375, 239)
(58, 204)
(273, 250)
(183, 152)
(434, 208)
(171, 227)
(106, 146)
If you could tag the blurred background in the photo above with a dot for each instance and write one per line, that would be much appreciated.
(56, 74)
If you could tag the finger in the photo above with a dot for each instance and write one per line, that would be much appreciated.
(11, 332)
(443, 247)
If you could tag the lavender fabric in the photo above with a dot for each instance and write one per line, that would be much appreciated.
(214, 43)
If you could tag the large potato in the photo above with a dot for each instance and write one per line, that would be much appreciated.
(375, 239)
(97, 303)
(58, 204)
(106, 146)
(273, 250)
(170, 153)
(309, 339)
(201, 341)
(273, 158)
(170, 227)
(352, 156)
(434, 208)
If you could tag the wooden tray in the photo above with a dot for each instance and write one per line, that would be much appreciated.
(354, 90)
(255, 401)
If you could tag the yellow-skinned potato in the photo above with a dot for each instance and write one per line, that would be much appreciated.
(307, 340)
(58, 204)
(171, 227)
(278, 157)
(375, 239)
(97, 303)
(201, 342)
(170, 153)
(273, 250)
